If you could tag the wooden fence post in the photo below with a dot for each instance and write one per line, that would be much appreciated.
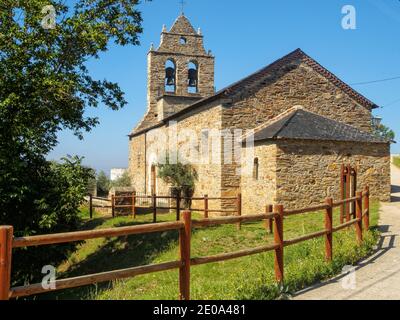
(206, 206)
(269, 222)
(366, 208)
(239, 209)
(90, 206)
(278, 237)
(328, 227)
(113, 205)
(359, 217)
(134, 204)
(342, 193)
(184, 245)
(178, 206)
(154, 197)
(6, 239)
(354, 187)
(348, 181)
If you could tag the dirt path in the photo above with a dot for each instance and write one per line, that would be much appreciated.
(377, 277)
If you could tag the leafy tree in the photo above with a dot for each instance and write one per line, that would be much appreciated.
(181, 177)
(123, 181)
(103, 183)
(45, 87)
(385, 132)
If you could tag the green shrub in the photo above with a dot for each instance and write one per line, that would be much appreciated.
(49, 201)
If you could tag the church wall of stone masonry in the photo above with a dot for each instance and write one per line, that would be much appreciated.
(308, 172)
(299, 174)
(257, 193)
(199, 120)
(301, 85)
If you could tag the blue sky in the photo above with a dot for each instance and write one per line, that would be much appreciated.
(245, 36)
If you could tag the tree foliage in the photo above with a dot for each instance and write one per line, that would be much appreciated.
(123, 181)
(44, 82)
(51, 204)
(385, 132)
(103, 184)
(182, 177)
(45, 87)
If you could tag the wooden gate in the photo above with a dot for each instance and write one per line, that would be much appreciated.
(348, 187)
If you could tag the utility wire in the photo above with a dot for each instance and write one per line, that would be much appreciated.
(391, 103)
(374, 81)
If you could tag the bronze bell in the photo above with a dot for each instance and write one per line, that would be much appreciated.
(170, 76)
(192, 78)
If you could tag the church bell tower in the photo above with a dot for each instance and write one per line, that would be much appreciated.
(180, 71)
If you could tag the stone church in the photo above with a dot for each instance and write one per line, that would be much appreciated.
(305, 123)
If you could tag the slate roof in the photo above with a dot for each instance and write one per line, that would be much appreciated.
(305, 125)
(263, 74)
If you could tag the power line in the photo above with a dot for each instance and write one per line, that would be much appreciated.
(391, 103)
(375, 81)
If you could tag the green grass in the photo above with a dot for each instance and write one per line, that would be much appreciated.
(249, 277)
(396, 161)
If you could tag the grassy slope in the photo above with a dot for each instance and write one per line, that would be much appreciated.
(396, 161)
(245, 278)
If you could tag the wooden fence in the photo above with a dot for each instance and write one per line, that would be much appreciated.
(185, 261)
(153, 200)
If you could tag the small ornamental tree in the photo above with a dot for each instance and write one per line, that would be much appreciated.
(384, 132)
(123, 181)
(181, 177)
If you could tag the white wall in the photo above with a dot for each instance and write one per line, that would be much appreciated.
(116, 173)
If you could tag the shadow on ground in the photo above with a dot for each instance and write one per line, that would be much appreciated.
(113, 254)
(385, 243)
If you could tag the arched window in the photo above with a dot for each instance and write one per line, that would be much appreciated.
(182, 40)
(255, 169)
(170, 76)
(193, 77)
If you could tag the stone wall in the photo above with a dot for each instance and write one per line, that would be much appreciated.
(152, 145)
(257, 193)
(294, 84)
(209, 173)
(168, 105)
(137, 162)
(308, 172)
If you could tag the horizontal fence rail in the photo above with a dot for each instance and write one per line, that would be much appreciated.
(162, 202)
(93, 234)
(94, 278)
(274, 217)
